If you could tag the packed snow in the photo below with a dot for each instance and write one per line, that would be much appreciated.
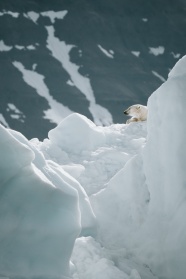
(39, 213)
(93, 202)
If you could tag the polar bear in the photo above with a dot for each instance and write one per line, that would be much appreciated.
(138, 113)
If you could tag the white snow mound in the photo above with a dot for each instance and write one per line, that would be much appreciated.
(77, 133)
(39, 221)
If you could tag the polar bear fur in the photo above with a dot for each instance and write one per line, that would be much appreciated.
(138, 113)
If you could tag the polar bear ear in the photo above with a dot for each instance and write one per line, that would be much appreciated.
(138, 107)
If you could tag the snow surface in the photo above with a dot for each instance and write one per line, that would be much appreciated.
(39, 215)
(109, 199)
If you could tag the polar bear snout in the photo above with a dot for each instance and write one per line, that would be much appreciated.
(126, 112)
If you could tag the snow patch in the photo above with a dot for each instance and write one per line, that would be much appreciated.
(4, 47)
(13, 14)
(80, 53)
(176, 55)
(61, 51)
(136, 53)
(69, 82)
(54, 15)
(57, 111)
(34, 66)
(3, 121)
(157, 50)
(19, 47)
(107, 53)
(31, 47)
(159, 76)
(15, 112)
(33, 16)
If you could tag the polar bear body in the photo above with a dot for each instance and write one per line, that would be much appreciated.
(138, 113)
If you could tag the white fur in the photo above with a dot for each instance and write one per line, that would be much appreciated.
(138, 113)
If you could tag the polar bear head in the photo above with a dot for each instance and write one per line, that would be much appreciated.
(138, 113)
